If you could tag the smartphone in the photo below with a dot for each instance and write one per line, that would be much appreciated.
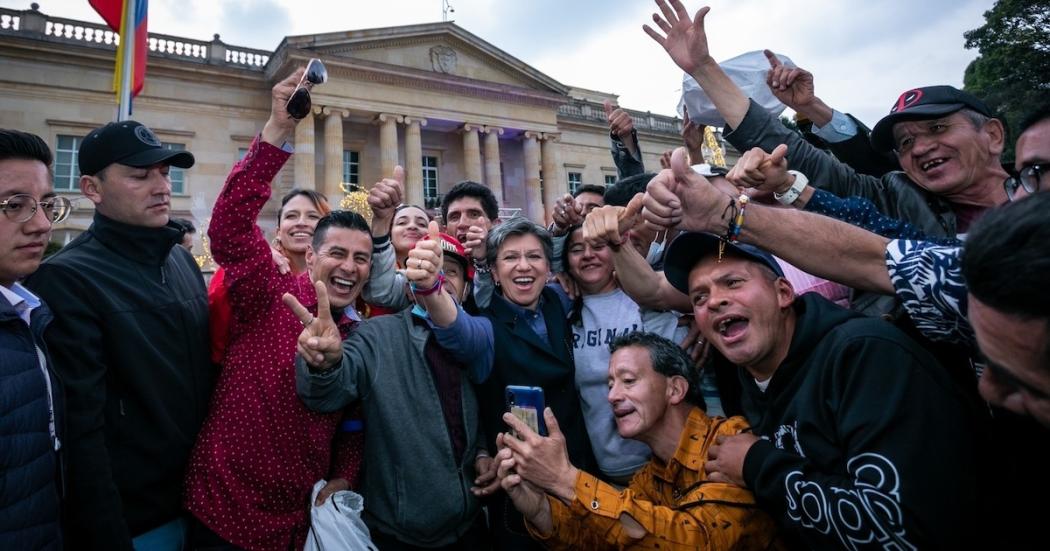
(526, 403)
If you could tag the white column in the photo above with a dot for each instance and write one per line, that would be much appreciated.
(471, 152)
(305, 176)
(553, 184)
(333, 153)
(414, 160)
(388, 142)
(493, 174)
(533, 196)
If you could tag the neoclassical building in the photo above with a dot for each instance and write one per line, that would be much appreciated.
(434, 98)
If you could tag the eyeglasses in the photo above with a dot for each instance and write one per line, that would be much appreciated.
(21, 208)
(1029, 178)
(298, 105)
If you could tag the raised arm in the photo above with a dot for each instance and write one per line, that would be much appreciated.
(386, 286)
(626, 153)
(685, 41)
(236, 241)
(815, 244)
(647, 287)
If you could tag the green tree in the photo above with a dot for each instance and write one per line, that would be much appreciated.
(1012, 71)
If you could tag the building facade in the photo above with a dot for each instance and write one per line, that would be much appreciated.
(433, 98)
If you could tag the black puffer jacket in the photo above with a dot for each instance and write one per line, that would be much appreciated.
(130, 341)
(29, 465)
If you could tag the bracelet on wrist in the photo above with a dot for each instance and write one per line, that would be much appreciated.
(436, 287)
(481, 267)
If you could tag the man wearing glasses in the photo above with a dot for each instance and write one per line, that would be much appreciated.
(130, 341)
(30, 397)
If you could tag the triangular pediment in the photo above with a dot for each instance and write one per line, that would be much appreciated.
(442, 48)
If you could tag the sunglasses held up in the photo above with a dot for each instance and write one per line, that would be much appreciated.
(299, 103)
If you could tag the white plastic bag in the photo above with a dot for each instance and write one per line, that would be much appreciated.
(337, 524)
(748, 71)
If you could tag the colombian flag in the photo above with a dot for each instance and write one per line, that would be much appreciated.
(112, 11)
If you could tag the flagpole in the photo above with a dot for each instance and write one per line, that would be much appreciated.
(127, 44)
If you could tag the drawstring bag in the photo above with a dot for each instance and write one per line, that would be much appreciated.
(337, 524)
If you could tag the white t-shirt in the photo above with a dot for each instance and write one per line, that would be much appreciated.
(605, 317)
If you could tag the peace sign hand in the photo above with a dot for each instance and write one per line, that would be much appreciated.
(320, 343)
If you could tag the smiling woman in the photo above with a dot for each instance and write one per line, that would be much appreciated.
(521, 338)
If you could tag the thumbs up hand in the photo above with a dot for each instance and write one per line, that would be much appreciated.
(424, 262)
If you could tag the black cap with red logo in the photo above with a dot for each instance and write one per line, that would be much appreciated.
(930, 102)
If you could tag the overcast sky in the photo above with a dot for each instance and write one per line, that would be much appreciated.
(863, 52)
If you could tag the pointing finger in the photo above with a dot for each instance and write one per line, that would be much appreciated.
(774, 61)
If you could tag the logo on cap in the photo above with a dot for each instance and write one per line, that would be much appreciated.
(146, 136)
(907, 99)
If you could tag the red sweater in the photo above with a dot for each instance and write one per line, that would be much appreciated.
(260, 450)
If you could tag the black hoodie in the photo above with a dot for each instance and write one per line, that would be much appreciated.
(866, 442)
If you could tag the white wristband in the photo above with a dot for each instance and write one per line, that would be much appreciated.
(791, 195)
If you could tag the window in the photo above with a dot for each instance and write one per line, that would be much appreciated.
(351, 166)
(430, 178)
(67, 172)
(177, 175)
(610, 179)
(241, 153)
(575, 181)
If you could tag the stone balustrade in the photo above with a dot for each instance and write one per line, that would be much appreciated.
(32, 23)
(590, 111)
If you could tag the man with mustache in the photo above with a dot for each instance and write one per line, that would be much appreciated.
(130, 343)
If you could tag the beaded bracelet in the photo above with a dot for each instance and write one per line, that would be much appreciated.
(481, 267)
(426, 292)
(735, 225)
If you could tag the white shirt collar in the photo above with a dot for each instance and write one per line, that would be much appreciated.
(17, 295)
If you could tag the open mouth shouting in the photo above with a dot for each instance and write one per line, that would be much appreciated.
(731, 328)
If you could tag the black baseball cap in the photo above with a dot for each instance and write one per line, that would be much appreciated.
(691, 247)
(129, 143)
(929, 102)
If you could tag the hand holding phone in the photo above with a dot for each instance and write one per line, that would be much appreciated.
(526, 403)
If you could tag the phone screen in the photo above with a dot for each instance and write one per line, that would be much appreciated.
(526, 403)
(528, 415)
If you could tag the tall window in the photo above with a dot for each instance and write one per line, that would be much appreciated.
(351, 166)
(177, 175)
(430, 178)
(242, 152)
(575, 181)
(610, 179)
(67, 172)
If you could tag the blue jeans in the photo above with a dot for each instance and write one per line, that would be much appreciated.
(166, 537)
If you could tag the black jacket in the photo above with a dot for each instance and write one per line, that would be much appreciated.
(130, 340)
(866, 440)
(30, 471)
(523, 358)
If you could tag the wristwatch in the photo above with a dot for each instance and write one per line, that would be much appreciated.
(791, 195)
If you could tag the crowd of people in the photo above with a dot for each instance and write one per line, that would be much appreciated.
(843, 341)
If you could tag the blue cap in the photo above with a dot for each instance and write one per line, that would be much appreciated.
(691, 247)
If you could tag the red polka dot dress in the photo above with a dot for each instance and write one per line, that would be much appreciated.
(260, 450)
